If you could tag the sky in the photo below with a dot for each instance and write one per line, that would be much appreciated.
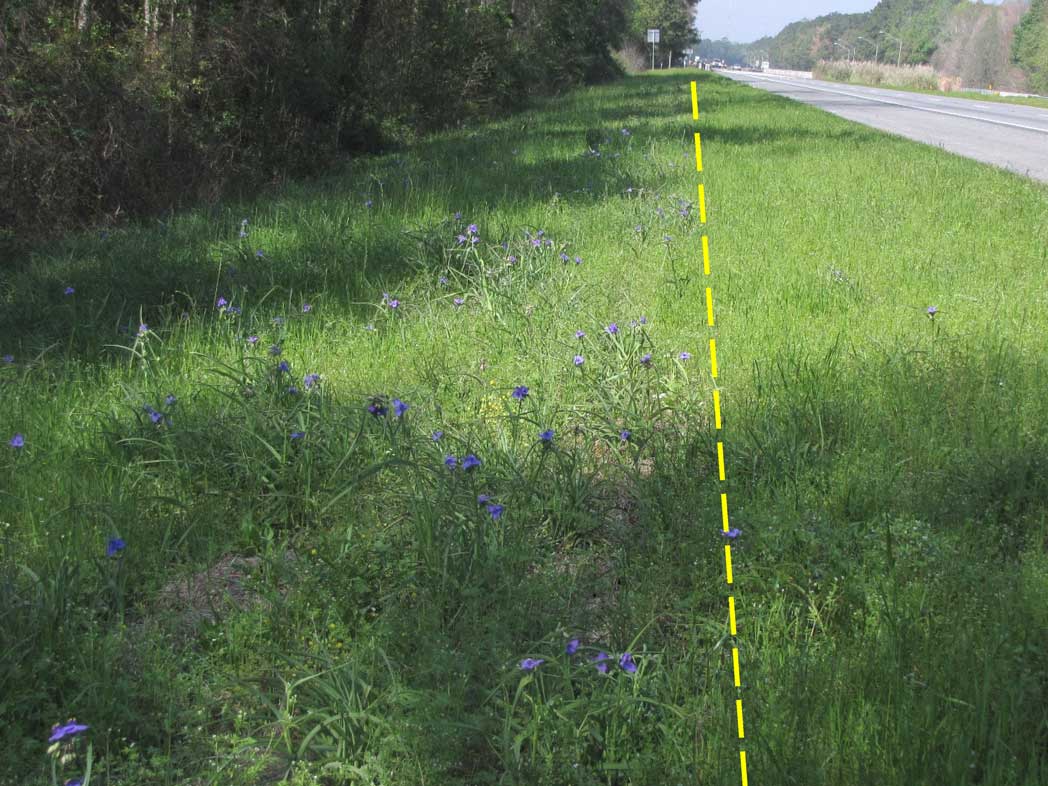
(747, 20)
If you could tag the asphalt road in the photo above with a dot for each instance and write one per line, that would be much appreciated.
(1011, 136)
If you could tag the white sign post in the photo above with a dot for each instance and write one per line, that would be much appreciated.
(653, 38)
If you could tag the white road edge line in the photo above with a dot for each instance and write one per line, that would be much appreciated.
(905, 106)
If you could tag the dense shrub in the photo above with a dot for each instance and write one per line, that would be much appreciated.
(110, 109)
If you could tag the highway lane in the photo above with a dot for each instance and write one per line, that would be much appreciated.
(1011, 136)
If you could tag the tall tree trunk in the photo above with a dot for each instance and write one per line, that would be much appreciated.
(83, 15)
(150, 10)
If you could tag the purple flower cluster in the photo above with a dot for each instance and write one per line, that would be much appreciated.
(599, 661)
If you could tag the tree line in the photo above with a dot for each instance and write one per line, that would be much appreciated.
(111, 108)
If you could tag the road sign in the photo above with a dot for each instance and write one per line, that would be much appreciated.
(653, 35)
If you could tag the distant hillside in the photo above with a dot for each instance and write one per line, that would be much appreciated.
(999, 45)
(917, 23)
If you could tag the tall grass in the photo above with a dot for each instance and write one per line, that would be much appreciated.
(858, 72)
(236, 572)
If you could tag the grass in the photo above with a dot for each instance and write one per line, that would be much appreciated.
(911, 79)
(886, 467)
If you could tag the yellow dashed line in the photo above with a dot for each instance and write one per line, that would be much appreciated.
(709, 306)
(727, 561)
(713, 357)
(705, 254)
(702, 204)
(698, 152)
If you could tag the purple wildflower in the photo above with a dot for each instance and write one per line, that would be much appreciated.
(377, 409)
(368, 203)
(437, 435)
(496, 511)
(483, 499)
(645, 359)
(932, 311)
(297, 434)
(443, 281)
(306, 308)
(394, 304)
(114, 546)
(547, 435)
(564, 257)
(457, 301)
(9, 359)
(310, 380)
(292, 391)
(579, 334)
(599, 660)
(143, 329)
(530, 664)
(450, 462)
(260, 253)
(572, 647)
(17, 441)
(470, 462)
(685, 356)
(624, 435)
(69, 291)
(626, 663)
(458, 216)
(579, 360)
(732, 533)
(170, 400)
(283, 367)
(60, 732)
(520, 392)
(221, 303)
(461, 239)
(511, 259)
(399, 407)
(472, 229)
(612, 329)
(578, 260)
(252, 340)
(274, 349)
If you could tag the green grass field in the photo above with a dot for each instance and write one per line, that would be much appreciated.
(308, 593)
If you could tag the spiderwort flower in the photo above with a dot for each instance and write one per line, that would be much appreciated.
(530, 664)
(292, 390)
(599, 660)
(461, 239)
(69, 291)
(62, 731)
(260, 253)
(169, 400)
(626, 132)
(450, 462)
(579, 360)
(732, 533)
(443, 281)
(645, 359)
(283, 367)
(579, 334)
(368, 203)
(572, 647)
(932, 311)
(496, 511)
(512, 259)
(399, 407)
(520, 392)
(114, 546)
(470, 462)
(252, 340)
(9, 359)
(483, 499)
(306, 308)
(472, 229)
(626, 663)
(221, 303)
(437, 435)
(377, 409)
(546, 436)
(564, 257)
(274, 349)
(624, 435)
(17, 441)
(457, 301)
(234, 310)
(685, 356)
(458, 216)
(297, 434)
(73, 782)
(143, 329)
(310, 380)
(578, 260)
(278, 321)
(394, 304)
(612, 329)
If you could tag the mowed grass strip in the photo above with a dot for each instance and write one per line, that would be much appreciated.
(309, 589)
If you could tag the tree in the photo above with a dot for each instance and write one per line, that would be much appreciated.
(674, 18)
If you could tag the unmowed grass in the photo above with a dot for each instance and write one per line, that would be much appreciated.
(887, 467)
